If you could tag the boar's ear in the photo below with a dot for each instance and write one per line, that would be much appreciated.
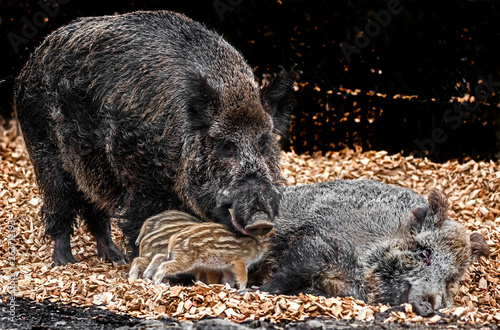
(478, 245)
(432, 216)
(202, 97)
(419, 215)
(277, 99)
(438, 207)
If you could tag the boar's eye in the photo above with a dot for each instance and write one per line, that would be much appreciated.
(425, 256)
(451, 280)
(264, 144)
(225, 148)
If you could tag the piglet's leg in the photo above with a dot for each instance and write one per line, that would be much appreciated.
(228, 277)
(154, 264)
(240, 271)
(200, 275)
(168, 268)
(138, 266)
(213, 277)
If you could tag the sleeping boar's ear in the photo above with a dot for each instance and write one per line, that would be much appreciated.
(438, 207)
(202, 96)
(419, 215)
(277, 99)
(478, 245)
(432, 216)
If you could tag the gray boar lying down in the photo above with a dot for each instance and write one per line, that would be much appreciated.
(372, 241)
(131, 115)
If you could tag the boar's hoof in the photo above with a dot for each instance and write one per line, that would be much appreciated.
(259, 228)
(61, 259)
(62, 251)
(108, 251)
(422, 308)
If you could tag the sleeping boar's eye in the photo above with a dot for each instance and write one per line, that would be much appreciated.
(425, 256)
(225, 148)
(452, 280)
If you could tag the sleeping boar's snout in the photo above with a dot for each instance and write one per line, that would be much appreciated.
(259, 225)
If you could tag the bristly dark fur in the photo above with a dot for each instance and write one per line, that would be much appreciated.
(280, 99)
(372, 241)
(125, 115)
(6, 92)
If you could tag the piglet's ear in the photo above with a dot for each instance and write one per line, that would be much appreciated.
(438, 207)
(202, 98)
(478, 245)
(277, 97)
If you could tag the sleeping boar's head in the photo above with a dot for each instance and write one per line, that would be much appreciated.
(232, 158)
(424, 265)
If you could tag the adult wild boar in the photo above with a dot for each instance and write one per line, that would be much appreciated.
(372, 241)
(134, 114)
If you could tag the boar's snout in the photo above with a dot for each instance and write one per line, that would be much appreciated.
(424, 307)
(259, 225)
(425, 303)
(253, 203)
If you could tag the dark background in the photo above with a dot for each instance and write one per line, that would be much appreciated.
(401, 90)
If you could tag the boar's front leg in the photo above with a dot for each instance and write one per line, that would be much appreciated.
(62, 250)
(99, 226)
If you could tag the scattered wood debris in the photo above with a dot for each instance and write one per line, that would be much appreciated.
(473, 189)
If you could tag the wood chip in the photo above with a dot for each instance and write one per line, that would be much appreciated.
(473, 190)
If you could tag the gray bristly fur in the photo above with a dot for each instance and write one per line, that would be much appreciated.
(139, 113)
(376, 242)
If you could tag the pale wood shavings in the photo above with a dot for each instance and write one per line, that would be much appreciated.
(473, 190)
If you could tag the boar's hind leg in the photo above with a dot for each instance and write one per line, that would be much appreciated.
(59, 193)
(59, 214)
(59, 219)
(99, 225)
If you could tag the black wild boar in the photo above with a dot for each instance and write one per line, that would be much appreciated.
(134, 114)
(373, 241)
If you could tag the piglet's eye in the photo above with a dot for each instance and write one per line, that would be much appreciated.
(425, 257)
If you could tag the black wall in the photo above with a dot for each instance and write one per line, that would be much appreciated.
(378, 74)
